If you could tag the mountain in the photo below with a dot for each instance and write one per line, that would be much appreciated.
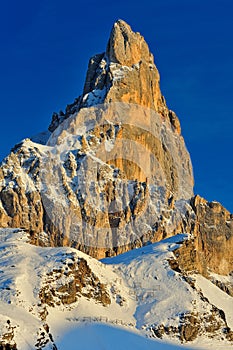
(112, 179)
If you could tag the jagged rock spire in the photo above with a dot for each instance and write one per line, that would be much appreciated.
(126, 47)
(124, 73)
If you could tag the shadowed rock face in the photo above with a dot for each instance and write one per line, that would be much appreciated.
(141, 187)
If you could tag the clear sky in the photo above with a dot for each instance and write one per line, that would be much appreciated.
(46, 45)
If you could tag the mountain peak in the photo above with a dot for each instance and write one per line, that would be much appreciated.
(127, 47)
(125, 73)
(114, 176)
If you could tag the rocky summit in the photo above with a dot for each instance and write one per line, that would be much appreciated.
(113, 175)
(141, 173)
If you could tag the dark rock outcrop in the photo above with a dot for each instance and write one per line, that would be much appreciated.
(74, 279)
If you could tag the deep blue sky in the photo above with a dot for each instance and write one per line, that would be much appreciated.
(46, 45)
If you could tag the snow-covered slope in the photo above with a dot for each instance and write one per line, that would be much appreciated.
(39, 284)
(54, 297)
(170, 304)
(102, 336)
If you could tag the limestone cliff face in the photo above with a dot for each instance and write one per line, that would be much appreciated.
(127, 71)
(20, 200)
(124, 73)
(211, 246)
(115, 172)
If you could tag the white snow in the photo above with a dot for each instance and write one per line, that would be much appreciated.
(106, 337)
(151, 280)
(142, 287)
(94, 97)
(109, 145)
(119, 72)
(216, 297)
